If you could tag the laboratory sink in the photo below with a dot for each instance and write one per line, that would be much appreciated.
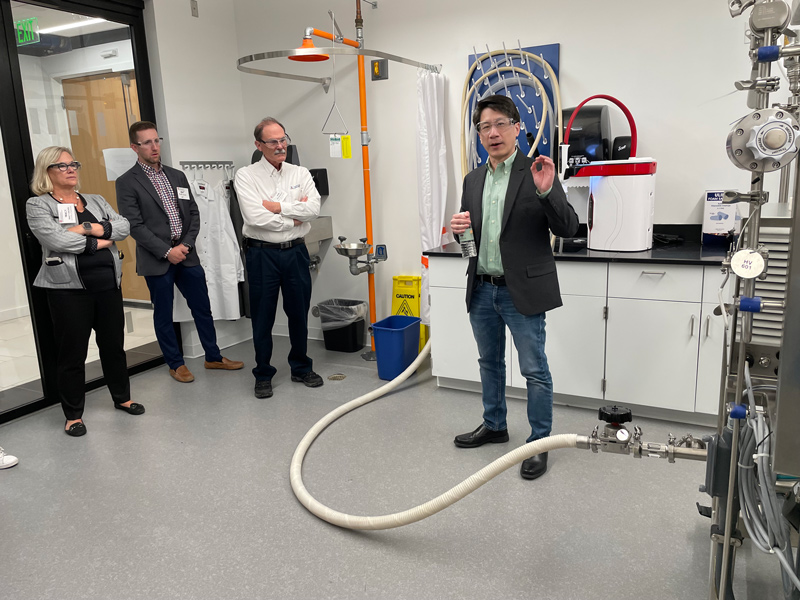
(321, 230)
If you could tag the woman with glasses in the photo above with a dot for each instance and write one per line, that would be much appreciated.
(81, 273)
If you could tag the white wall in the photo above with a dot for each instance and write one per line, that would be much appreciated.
(196, 84)
(47, 119)
(671, 64)
(88, 61)
(198, 99)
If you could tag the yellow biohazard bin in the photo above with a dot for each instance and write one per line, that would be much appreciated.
(405, 301)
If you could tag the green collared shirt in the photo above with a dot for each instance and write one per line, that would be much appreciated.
(494, 199)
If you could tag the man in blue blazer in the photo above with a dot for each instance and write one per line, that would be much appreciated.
(511, 205)
(158, 203)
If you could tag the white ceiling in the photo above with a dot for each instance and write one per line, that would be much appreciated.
(47, 17)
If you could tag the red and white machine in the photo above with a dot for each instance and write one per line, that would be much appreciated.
(621, 195)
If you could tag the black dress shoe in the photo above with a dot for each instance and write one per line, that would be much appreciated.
(263, 389)
(132, 409)
(481, 436)
(309, 379)
(76, 429)
(534, 467)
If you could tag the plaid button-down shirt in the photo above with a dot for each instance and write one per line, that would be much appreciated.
(167, 195)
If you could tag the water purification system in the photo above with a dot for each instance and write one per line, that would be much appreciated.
(621, 193)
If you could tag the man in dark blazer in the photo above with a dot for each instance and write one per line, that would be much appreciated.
(511, 205)
(158, 203)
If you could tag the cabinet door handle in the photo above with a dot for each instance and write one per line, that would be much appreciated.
(708, 325)
(691, 327)
(658, 273)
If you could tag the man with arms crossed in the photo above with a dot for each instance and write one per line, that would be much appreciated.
(277, 200)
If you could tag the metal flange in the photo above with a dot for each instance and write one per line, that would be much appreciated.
(764, 141)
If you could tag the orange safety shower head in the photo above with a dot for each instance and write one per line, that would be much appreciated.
(308, 43)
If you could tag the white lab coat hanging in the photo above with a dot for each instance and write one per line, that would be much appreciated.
(218, 250)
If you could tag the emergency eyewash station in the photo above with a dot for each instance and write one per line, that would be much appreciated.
(753, 460)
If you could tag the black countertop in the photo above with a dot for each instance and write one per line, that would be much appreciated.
(685, 253)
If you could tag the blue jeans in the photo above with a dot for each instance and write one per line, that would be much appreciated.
(491, 309)
(191, 282)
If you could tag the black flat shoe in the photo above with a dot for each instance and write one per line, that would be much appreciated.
(132, 409)
(534, 467)
(481, 436)
(76, 429)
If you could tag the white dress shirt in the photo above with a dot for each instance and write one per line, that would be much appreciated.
(262, 181)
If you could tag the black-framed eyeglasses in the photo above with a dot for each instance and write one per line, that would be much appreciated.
(150, 143)
(273, 143)
(64, 167)
(500, 125)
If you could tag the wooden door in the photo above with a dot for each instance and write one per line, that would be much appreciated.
(100, 108)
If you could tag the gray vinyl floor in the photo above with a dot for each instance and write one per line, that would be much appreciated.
(192, 500)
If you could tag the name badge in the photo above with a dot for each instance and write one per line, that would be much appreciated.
(183, 193)
(280, 196)
(67, 214)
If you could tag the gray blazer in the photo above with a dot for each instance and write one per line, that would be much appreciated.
(140, 203)
(57, 242)
(528, 263)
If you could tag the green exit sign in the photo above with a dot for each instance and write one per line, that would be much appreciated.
(27, 31)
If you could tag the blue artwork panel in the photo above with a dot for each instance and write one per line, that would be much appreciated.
(521, 89)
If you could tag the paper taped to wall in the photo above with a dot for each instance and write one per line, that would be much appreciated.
(118, 160)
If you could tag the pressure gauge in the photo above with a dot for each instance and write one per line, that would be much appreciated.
(623, 435)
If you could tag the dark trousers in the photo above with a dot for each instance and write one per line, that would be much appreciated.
(75, 313)
(269, 271)
(191, 282)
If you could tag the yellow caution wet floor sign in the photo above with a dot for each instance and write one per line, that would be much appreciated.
(405, 300)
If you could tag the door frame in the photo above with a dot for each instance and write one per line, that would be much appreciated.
(20, 160)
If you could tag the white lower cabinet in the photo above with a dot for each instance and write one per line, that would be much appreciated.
(453, 348)
(574, 347)
(651, 353)
(709, 363)
(660, 345)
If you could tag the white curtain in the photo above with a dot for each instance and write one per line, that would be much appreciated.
(431, 172)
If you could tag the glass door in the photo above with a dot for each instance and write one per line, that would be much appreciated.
(19, 365)
(74, 81)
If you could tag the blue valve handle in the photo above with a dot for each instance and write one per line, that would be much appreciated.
(738, 411)
(750, 304)
(769, 53)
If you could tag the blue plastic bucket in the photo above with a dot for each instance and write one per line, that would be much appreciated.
(396, 344)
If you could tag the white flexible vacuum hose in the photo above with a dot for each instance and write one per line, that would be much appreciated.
(429, 508)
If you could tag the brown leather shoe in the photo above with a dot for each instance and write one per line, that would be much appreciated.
(182, 374)
(227, 365)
